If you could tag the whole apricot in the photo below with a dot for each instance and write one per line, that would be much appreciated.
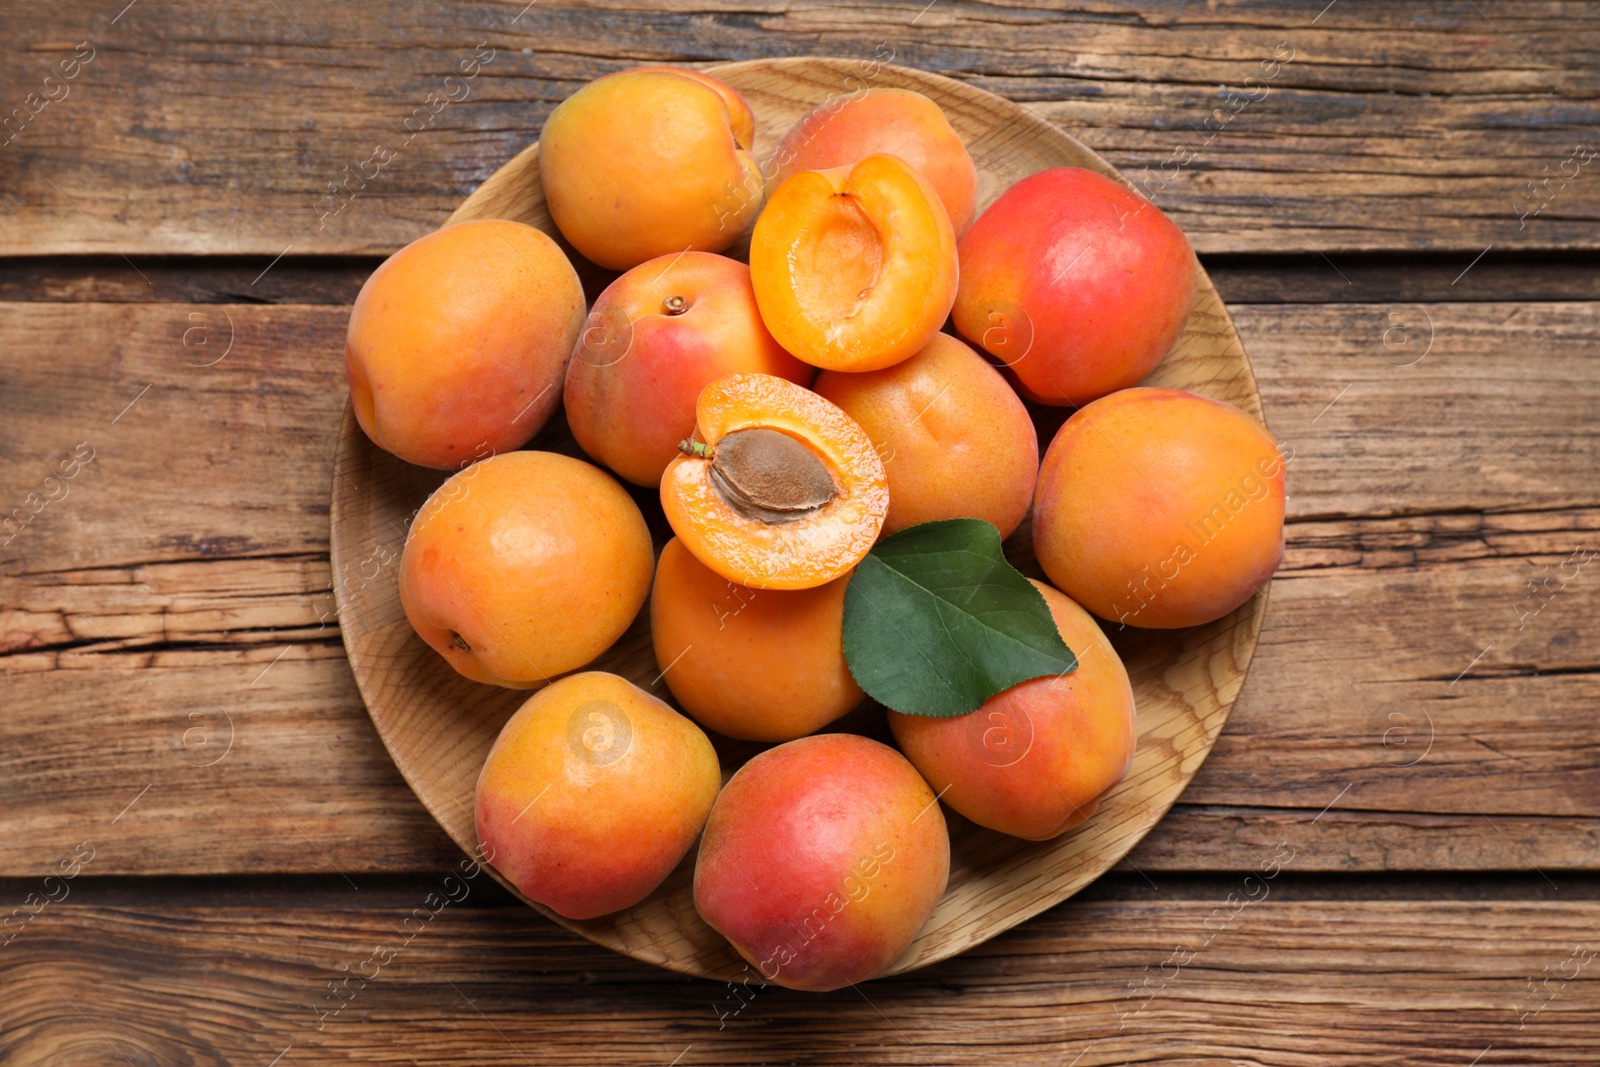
(1078, 284)
(898, 122)
(821, 860)
(592, 794)
(955, 440)
(1160, 508)
(782, 490)
(525, 566)
(855, 267)
(757, 664)
(650, 161)
(655, 338)
(458, 342)
(1034, 760)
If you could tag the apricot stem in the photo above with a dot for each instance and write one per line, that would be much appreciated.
(691, 447)
(676, 305)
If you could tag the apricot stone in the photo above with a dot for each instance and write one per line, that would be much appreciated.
(1034, 760)
(897, 122)
(655, 338)
(1160, 508)
(458, 343)
(821, 860)
(1078, 284)
(524, 567)
(954, 439)
(757, 664)
(592, 794)
(855, 267)
(650, 161)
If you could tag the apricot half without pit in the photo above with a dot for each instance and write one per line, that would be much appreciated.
(782, 490)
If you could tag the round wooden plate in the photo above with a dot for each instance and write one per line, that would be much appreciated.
(438, 726)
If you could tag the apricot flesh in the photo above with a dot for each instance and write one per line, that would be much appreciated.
(1034, 760)
(821, 860)
(1078, 284)
(1160, 508)
(593, 792)
(458, 343)
(897, 122)
(756, 664)
(954, 438)
(655, 338)
(854, 267)
(782, 490)
(647, 162)
(524, 567)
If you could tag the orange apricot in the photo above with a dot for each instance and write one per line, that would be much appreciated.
(955, 439)
(855, 267)
(650, 161)
(757, 664)
(1160, 508)
(592, 794)
(781, 491)
(525, 566)
(1034, 760)
(657, 336)
(898, 122)
(458, 342)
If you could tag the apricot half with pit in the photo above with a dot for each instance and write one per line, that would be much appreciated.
(855, 267)
(781, 490)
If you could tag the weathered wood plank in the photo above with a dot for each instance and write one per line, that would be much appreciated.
(1296, 982)
(158, 628)
(1277, 127)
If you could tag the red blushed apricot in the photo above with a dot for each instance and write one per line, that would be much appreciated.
(821, 860)
(1035, 760)
(757, 664)
(657, 336)
(525, 566)
(1160, 508)
(897, 122)
(781, 491)
(1080, 285)
(592, 794)
(647, 162)
(854, 268)
(458, 342)
(955, 440)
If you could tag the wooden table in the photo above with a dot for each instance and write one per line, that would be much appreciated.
(207, 857)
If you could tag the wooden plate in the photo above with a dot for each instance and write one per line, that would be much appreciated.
(438, 726)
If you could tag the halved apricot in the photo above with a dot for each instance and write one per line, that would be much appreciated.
(854, 268)
(780, 490)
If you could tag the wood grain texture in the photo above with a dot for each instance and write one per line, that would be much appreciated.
(439, 727)
(1398, 125)
(1313, 982)
(194, 547)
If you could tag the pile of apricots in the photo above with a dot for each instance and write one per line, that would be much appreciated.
(869, 369)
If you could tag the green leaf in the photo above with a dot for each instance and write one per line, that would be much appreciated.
(936, 621)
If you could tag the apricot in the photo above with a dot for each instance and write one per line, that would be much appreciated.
(1034, 760)
(855, 267)
(592, 794)
(525, 566)
(757, 664)
(458, 342)
(781, 491)
(1078, 284)
(656, 337)
(821, 860)
(650, 161)
(897, 122)
(1160, 508)
(955, 440)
